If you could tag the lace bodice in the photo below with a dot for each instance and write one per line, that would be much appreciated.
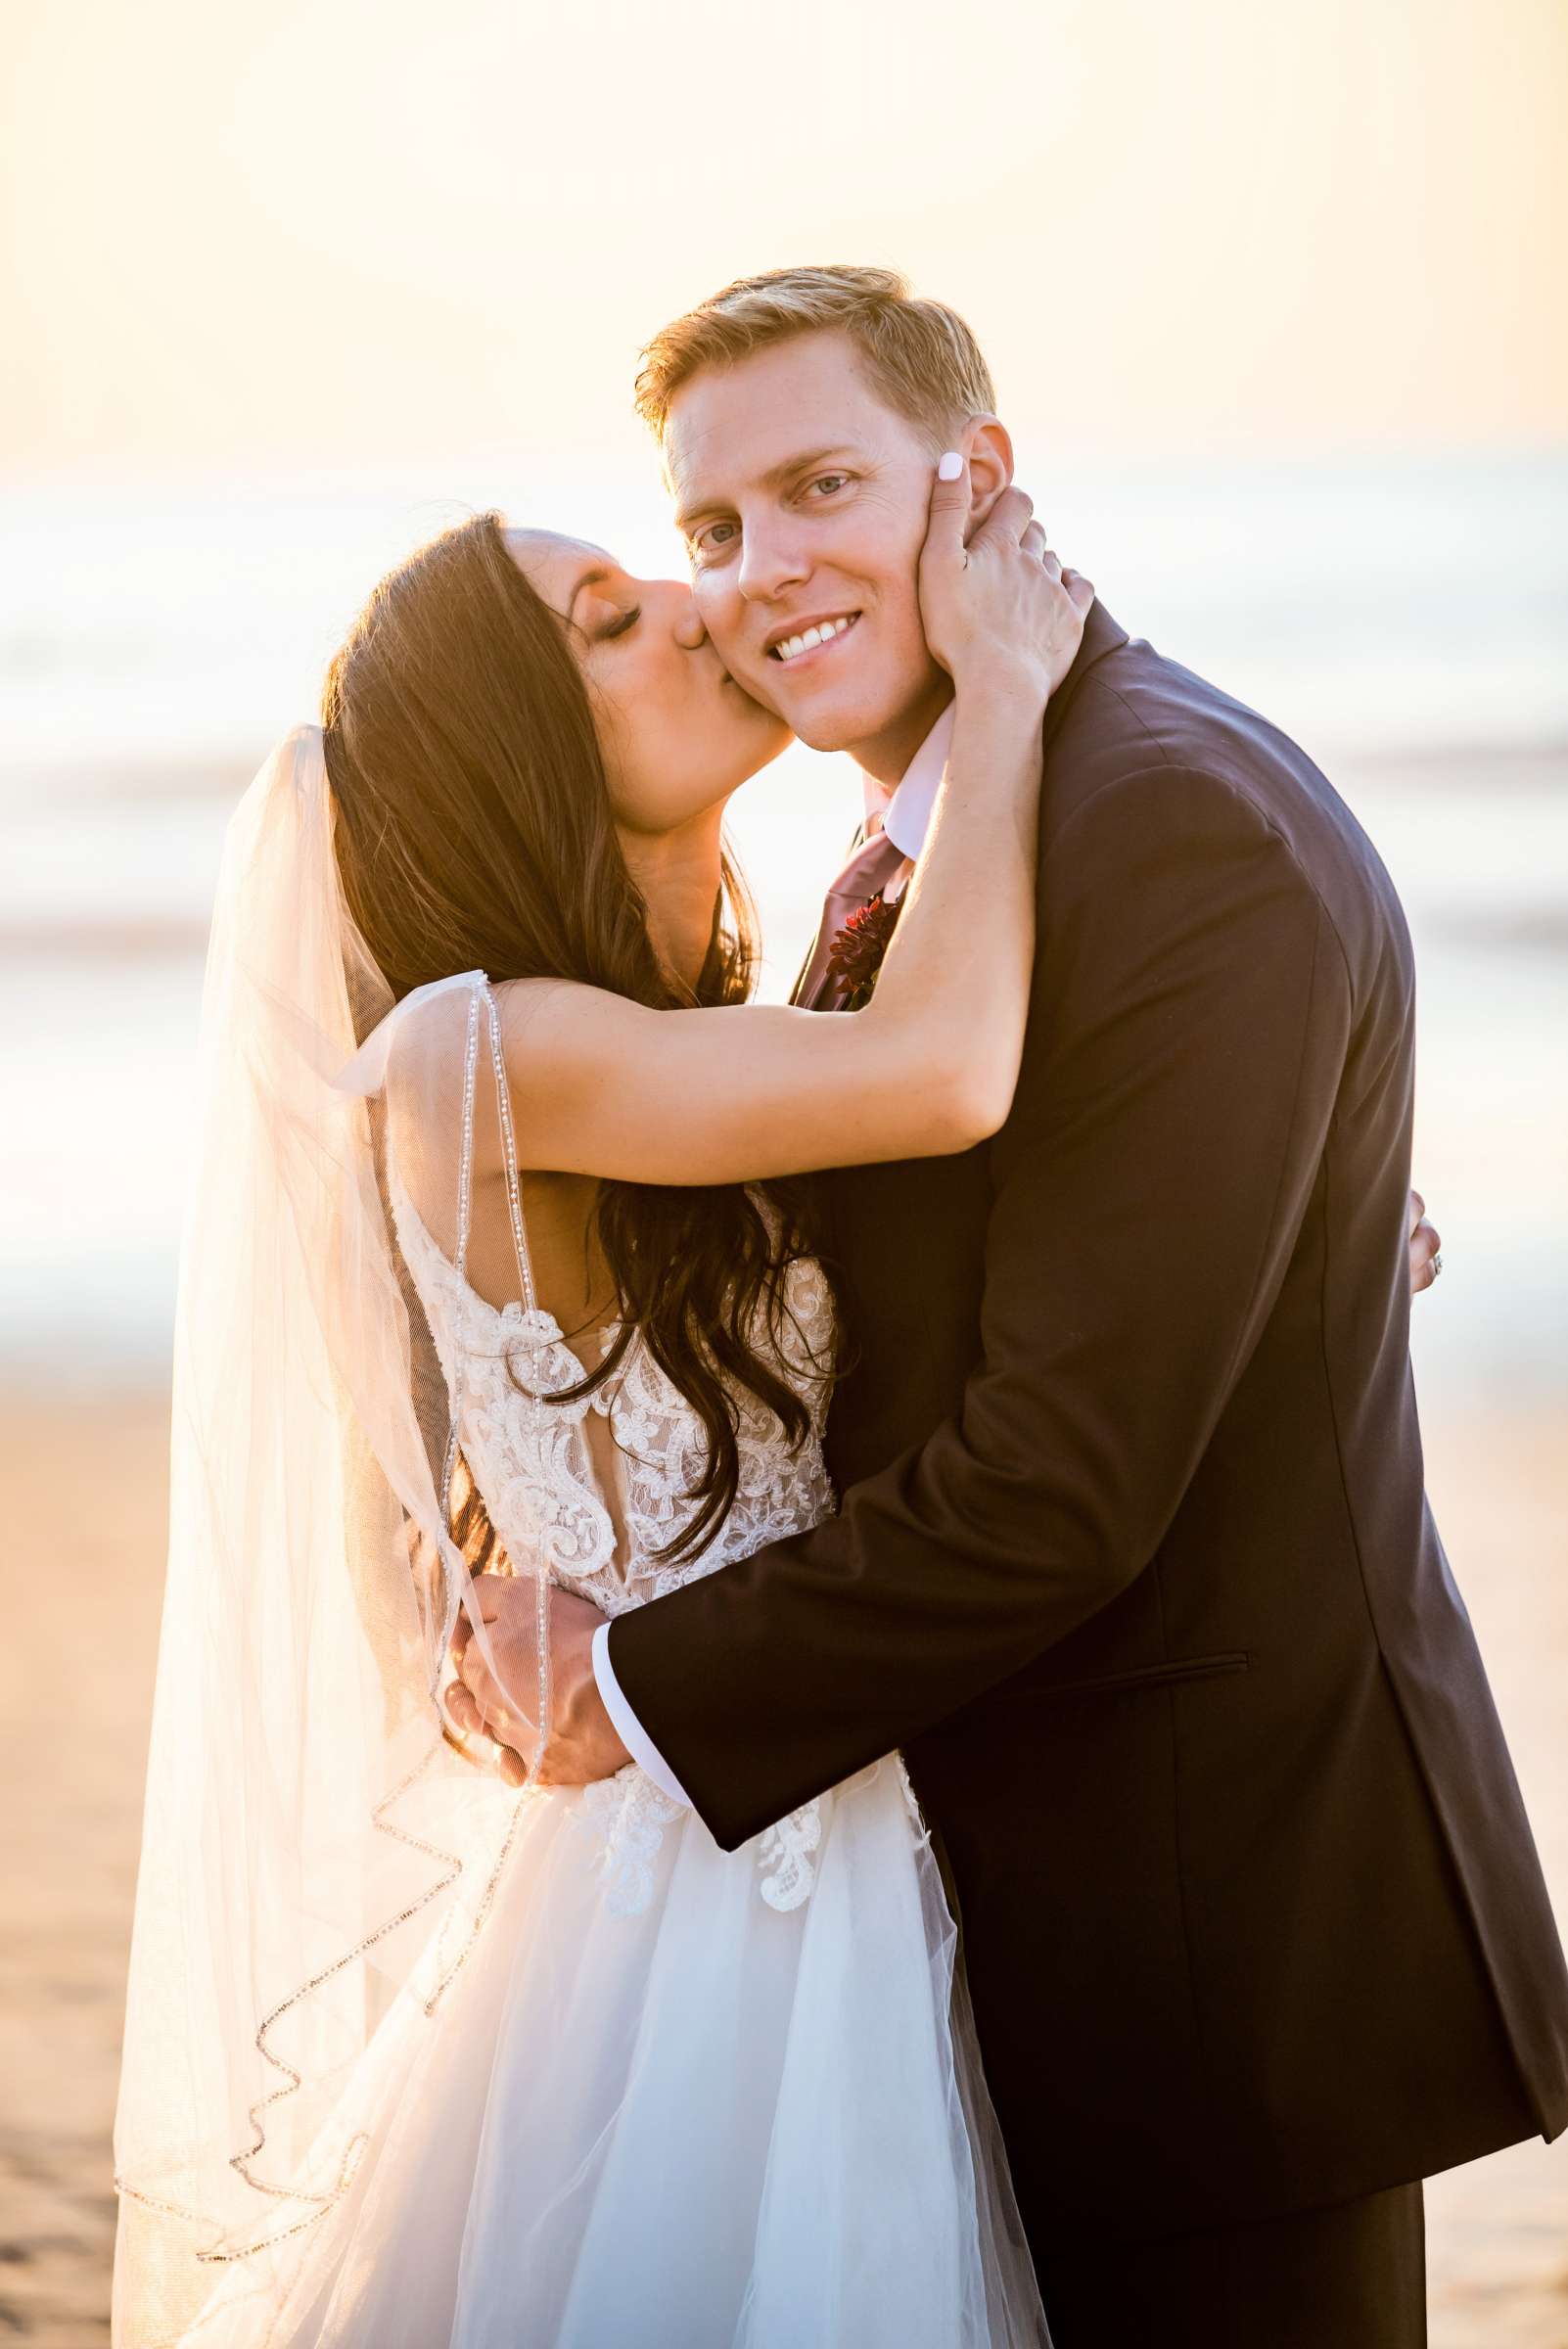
(532, 1462)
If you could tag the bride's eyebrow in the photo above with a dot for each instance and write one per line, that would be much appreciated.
(592, 578)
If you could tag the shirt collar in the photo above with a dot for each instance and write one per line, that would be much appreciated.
(907, 811)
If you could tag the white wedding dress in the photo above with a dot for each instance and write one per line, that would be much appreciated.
(672, 2098)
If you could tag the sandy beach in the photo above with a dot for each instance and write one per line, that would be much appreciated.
(81, 1587)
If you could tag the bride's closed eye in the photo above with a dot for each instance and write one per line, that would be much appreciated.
(624, 625)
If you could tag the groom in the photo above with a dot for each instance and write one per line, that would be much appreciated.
(1133, 1563)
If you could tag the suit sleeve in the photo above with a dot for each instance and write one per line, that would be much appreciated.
(1188, 1029)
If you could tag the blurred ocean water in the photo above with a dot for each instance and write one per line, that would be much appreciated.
(1408, 621)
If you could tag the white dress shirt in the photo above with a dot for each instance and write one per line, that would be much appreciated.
(906, 815)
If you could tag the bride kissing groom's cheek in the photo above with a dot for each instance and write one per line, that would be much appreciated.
(940, 1451)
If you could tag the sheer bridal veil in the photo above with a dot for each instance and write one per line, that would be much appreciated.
(313, 1850)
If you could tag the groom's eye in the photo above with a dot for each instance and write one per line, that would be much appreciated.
(711, 538)
(830, 484)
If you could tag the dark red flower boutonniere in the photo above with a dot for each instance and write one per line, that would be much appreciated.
(855, 956)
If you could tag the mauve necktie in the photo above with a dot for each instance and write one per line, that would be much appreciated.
(874, 863)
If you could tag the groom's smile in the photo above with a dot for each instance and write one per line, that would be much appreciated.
(803, 499)
(790, 650)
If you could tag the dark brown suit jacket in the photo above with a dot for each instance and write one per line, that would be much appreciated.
(1135, 1562)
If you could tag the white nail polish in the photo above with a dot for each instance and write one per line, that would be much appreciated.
(949, 467)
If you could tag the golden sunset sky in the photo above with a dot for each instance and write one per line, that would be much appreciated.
(335, 232)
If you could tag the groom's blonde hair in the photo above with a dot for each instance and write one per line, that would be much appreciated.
(920, 355)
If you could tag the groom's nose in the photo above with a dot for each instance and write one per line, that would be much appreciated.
(770, 561)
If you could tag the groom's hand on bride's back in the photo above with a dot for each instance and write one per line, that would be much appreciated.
(1426, 1245)
(583, 1746)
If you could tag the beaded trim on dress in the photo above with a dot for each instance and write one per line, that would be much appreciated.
(534, 1470)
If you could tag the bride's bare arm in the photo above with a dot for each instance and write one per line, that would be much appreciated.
(731, 1094)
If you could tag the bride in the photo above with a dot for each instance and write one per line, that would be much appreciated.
(503, 1260)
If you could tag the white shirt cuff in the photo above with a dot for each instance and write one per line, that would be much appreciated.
(628, 1728)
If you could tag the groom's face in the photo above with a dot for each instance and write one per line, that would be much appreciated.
(802, 498)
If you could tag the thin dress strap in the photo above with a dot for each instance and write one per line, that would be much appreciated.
(465, 1206)
(525, 1272)
(503, 1111)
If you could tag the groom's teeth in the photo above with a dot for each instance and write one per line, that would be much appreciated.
(793, 646)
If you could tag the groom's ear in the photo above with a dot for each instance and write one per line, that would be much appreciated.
(990, 449)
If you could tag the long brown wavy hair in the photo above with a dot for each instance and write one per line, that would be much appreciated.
(474, 832)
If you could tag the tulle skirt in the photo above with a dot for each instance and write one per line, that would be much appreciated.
(676, 2098)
